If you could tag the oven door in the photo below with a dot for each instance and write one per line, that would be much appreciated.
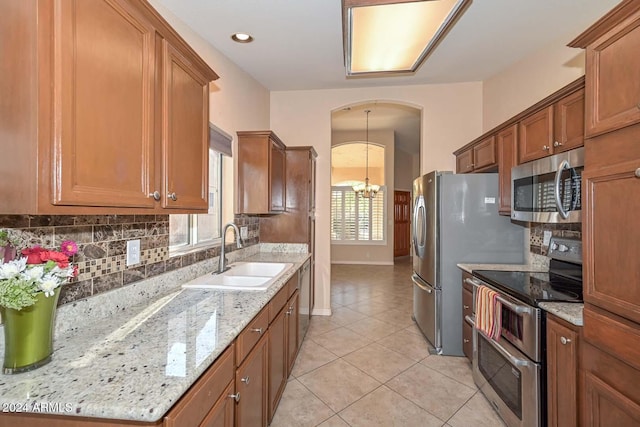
(510, 381)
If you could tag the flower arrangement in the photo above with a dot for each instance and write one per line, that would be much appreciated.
(38, 270)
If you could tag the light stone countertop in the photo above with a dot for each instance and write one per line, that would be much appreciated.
(137, 361)
(571, 312)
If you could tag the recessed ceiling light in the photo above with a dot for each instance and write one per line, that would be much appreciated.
(242, 38)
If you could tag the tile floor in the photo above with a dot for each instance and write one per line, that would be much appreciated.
(368, 365)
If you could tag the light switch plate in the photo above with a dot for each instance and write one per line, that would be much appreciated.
(133, 252)
(244, 232)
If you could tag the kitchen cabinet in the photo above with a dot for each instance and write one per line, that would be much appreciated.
(480, 157)
(563, 341)
(261, 186)
(467, 310)
(507, 141)
(297, 223)
(612, 66)
(251, 386)
(107, 133)
(556, 128)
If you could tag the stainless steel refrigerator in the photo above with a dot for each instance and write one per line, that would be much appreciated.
(455, 220)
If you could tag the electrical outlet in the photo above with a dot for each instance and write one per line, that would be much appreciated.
(244, 232)
(546, 238)
(133, 252)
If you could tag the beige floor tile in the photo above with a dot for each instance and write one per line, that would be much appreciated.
(334, 421)
(299, 407)
(321, 324)
(369, 307)
(385, 408)
(457, 368)
(341, 341)
(373, 329)
(397, 317)
(434, 392)
(379, 362)
(411, 345)
(478, 413)
(414, 329)
(344, 316)
(338, 384)
(311, 356)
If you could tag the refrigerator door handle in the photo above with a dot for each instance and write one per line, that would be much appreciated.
(421, 284)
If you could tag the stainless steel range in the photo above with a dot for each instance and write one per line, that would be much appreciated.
(510, 371)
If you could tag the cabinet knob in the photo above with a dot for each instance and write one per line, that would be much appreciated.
(564, 340)
(288, 312)
(466, 307)
(546, 147)
(172, 196)
(465, 341)
(155, 195)
(638, 173)
(245, 380)
(258, 330)
(235, 397)
(557, 144)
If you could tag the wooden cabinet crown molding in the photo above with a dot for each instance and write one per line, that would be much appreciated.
(605, 24)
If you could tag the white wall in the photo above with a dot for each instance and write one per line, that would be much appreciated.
(406, 169)
(381, 254)
(451, 117)
(530, 80)
(236, 100)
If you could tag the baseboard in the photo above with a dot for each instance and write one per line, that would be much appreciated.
(321, 312)
(363, 262)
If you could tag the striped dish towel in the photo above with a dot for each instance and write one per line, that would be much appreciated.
(488, 312)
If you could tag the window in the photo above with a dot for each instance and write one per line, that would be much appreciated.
(357, 219)
(188, 232)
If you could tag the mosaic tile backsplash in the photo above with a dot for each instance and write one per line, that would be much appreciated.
(536, 237)
(102, 242)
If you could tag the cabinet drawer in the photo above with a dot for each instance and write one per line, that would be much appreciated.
(251, 334)
(467, 337)
(278, 302)
(293, 284)
(615, 335)
(467, 303)
(192, 408)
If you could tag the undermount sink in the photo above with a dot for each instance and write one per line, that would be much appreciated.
(257, 276)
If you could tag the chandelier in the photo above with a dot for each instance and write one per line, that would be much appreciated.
(366, 190)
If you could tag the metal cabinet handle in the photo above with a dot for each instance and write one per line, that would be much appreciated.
(245, 380)
(155, 195)
(235, 397)
(565, 341)
(258, 330)
(172, 196)
(638, 173)
(557, 144)
(466, 341)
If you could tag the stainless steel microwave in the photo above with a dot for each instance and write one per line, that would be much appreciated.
(548, 189)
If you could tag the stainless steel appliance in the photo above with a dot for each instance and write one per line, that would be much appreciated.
(455, 219)
(511, 371)
(548, 190)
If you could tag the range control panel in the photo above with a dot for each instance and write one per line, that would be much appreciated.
(565, 249)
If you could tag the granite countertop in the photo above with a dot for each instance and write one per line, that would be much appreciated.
(135, 365)
(502, 267)
(571, 312)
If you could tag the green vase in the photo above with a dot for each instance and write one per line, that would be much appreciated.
(28, 334)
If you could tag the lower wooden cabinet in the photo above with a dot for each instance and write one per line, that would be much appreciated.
(467, 310)
(563, 340)
(223, 412)
(293, 335)
(251, 386)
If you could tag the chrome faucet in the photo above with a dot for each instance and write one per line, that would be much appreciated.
(222, 266)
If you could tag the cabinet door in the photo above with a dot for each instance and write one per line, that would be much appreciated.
(484, 154)
(277, 177)
(562, 374)
(612, 233)
(569, 122)
(185, 133)
(278, 366)
(612, 83)
(464, 161)
(507, 158)
(251, 384)
(293, 341)
(222, 413)
(103, 147)
(535, 135)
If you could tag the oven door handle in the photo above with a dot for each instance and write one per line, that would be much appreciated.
(470, 320)
(516, 308)
(564, 165)
(511, 358)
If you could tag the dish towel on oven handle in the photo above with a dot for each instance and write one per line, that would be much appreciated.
(488, 312)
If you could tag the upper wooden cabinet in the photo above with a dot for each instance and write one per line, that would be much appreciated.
(261, 173)
(480, 157)
(612, 69)
(107, 105)
(507, 140)
(556, 128)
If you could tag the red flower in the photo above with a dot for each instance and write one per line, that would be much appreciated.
(58, 257)
(69, 248)
(33, 254)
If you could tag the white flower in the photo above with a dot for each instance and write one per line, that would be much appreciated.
(48, 284)
(12, 268)
(34, 273)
